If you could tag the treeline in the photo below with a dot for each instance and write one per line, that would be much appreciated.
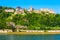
(33, 21)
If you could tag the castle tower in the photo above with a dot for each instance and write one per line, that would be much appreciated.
(31, 9)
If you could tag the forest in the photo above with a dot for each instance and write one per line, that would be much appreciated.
(33, 21)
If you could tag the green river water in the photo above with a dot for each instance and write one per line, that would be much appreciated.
(30, 37)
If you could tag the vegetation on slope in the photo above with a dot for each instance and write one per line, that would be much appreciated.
(33, 21)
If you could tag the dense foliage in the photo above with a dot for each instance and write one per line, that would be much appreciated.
(33, 21)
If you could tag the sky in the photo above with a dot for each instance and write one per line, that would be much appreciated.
(36, 4)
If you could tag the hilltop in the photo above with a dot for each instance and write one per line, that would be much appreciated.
(43, 20)
(20, 10)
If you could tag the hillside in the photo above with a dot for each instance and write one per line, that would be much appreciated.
(33, 21)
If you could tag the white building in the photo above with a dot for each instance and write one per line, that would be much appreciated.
(9, 10)
(47, 10)
(30, 9)
(19, 11)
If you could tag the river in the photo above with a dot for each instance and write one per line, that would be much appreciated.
(30, 37)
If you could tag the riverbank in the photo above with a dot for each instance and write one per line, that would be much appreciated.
(33, 33)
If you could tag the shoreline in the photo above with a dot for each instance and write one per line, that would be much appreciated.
(32, 33)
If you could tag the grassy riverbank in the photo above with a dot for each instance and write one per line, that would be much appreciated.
(33, 33)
